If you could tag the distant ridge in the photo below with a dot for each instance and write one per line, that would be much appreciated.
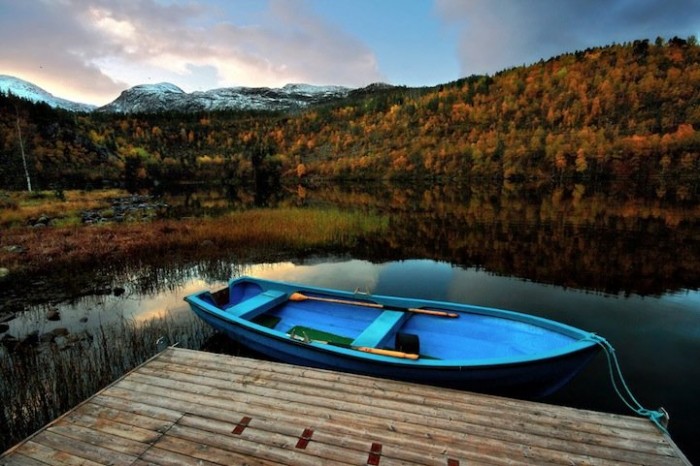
(26, 90)
(165, 97)
(154, 98)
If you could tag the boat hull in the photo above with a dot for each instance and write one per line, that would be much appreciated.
(528, 377)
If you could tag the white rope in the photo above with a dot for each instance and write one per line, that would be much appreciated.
(658, 417)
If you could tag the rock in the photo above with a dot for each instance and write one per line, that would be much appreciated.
(118, 290)
(60, 332)
(4, 272)
(53, 314)
(14, 249)
(79, 337)
(43, 220)
(83, 320)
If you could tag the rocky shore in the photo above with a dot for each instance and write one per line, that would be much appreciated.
(131, 208)
(136, 207)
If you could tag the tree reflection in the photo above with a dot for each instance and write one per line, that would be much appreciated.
(571, 236)
(612, 239)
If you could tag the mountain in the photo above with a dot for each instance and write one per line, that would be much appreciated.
(624, 111)
(26, 90)
(164, 97)
(153, 98)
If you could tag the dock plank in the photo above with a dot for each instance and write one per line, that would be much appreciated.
(45, 454)
(416, 414)
(416, 425)
(330, 390)
(313, 378)
(187, 407)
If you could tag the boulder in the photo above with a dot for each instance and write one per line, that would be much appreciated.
(60, 332)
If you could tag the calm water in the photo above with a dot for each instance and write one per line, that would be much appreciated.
(625, 267)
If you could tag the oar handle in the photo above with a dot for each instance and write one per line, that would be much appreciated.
(390, 353)
(431, 312)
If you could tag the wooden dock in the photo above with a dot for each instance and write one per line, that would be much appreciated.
(195, 408)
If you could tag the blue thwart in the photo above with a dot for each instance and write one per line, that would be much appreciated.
(441, 343)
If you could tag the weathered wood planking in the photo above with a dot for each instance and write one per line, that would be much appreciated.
(190, 407)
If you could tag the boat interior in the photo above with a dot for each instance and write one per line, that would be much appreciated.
(471, 336)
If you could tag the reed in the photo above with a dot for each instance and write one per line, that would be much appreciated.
(258, 230)
(39, 383)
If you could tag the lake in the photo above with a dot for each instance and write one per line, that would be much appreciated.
(625, 266)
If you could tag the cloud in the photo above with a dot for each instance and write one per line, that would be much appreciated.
(97, 48)
(43, 45)
(295, 45)
(498, 34)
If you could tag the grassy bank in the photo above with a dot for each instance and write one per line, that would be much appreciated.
(17, 208)
(27, 249)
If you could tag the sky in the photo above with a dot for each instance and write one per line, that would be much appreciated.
(91, 50)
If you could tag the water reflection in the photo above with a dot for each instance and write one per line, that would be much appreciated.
(612, 239)
(420, 278)
(657, 338)
(626, 266)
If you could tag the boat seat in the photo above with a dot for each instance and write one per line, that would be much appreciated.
(258, 304)
(381, 329)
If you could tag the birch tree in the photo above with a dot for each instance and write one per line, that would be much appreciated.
(21, 148)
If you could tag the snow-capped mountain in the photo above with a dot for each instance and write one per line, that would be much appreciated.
(26, 90)
(145, 98)
(154, 98)
(168, 97)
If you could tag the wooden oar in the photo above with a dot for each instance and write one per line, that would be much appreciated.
(303, 297)
(364, 349)
(382, 352)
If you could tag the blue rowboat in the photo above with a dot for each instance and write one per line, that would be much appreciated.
(441, 343)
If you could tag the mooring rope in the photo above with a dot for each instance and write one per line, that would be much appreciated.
(658, 417)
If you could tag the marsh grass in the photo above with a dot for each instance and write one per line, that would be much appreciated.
(18, 207)
(257, 230)
(38, 384)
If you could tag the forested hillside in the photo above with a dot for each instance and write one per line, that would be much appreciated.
(630, 110)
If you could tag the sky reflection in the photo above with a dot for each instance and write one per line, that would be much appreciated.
(657, 338)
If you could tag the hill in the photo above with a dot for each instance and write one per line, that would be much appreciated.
(32, 92)
(625, 110)
(166, 97)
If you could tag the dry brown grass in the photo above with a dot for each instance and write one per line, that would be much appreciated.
(261, 229)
